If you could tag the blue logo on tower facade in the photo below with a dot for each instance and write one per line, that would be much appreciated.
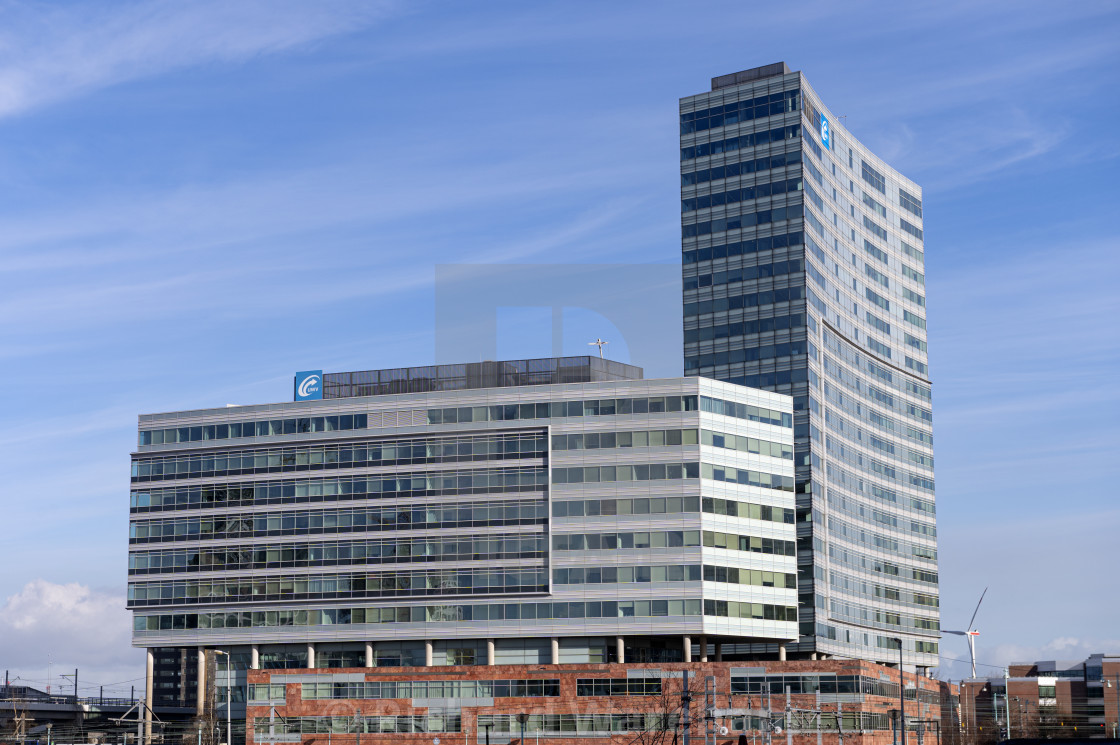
(309, 385)
(825, 133)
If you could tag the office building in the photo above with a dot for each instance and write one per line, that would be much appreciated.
(435, 551)
(571, 512)
(1046, 699)
(803, 272)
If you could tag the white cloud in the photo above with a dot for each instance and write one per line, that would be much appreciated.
(1000, 656)
(70, 626)
(43, 607)
(54, 52)
(1038, 569)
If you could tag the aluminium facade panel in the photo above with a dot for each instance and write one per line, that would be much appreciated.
(803, 265)
(634, 508)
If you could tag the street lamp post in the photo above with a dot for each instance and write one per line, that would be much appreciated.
(229, 688)
(901, 695)
(521, 719)
(1007, 700)
(1116, 727)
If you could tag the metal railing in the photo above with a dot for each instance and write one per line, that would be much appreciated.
(47, 699)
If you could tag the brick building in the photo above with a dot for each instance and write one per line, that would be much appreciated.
(1045, 699)
(593, 703)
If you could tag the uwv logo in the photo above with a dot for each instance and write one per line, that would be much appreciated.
(825, 133)
(309, 385)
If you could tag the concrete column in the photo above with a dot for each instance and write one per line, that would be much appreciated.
(200, 687)
(369, 654)
(255, 657)
(703, 648)
(813, 656)
(686, 644)
(782, 652)
(429, 653)
(310, 655)
(620, 649)
(490, 652)
(719, 652)
(555, 650)
(149, 687)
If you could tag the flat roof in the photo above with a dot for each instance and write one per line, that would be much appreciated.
(746, 76)
(470, 375)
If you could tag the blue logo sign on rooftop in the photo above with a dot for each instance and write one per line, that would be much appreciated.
(825, 135)
(309, 385)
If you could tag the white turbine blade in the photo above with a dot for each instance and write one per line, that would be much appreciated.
(958, 633)
(970, 622)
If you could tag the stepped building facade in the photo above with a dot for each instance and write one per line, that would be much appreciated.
(404, 518)
(553, 548)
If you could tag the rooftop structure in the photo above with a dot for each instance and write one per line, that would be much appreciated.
(488, 374)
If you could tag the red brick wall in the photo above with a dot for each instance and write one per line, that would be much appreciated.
(568, 702)
(1111, 670)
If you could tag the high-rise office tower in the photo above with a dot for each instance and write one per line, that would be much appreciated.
(803, 274)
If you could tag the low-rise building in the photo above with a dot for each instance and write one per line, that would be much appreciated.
(1044, 699)
(804, 701)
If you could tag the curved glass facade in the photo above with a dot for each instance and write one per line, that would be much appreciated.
(803, 264)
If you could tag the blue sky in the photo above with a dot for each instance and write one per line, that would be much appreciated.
(202, 198)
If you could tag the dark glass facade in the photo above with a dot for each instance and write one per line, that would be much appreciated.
(488, 374)
(803, 274)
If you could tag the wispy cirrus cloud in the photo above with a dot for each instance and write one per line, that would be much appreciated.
(228, 237)
(1023, 345)
(53, 52)
(973, 106)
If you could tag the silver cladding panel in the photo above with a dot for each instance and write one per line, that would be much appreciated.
(405, 414)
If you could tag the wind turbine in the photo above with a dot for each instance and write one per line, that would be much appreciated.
(971, 634)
